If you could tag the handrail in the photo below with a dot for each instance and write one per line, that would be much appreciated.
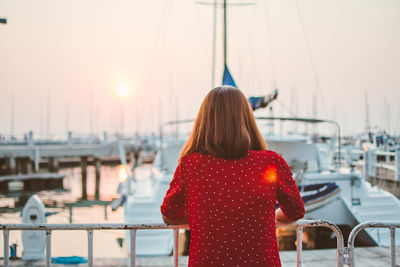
(48, 228)
(357, 229)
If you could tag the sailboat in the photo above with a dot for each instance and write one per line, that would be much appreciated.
(341, 196)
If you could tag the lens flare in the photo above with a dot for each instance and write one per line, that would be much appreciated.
(270, 174)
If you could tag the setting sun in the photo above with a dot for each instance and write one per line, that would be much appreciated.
(123, 90)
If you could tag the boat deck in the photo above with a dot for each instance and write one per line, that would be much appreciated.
(366, 256)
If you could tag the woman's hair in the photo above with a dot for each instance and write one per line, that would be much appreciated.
(225, 126)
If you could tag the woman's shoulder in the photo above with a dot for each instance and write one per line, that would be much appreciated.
(265, 153)
(268, 155)
(194, 157)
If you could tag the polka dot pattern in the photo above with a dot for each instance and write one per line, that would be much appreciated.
(231, 207)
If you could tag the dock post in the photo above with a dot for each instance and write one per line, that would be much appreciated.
(28, 166)
(12, 165)
(397, 165)
(97, 166)
(37, 159)
(70, 213)
(84, 176)
(53, 165)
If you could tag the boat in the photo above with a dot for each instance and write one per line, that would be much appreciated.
(354, 201)
(330, 192)
(143, 194)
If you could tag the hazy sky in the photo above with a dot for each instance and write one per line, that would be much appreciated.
(70, 57)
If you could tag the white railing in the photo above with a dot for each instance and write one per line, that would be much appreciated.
(90, 228)
(370, 162)
(344, 255)
(354, 232)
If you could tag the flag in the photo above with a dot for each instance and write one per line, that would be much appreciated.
(227, 78)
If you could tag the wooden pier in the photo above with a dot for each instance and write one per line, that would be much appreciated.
(365, 257)
(28, 158)
(39, 181)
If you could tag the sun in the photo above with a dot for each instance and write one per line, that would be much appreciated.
(123, 90)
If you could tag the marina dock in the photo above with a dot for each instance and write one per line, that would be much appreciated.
(25, 160)
(365, 257)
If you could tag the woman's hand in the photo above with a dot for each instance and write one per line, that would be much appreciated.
(281, 217)
(183, 220)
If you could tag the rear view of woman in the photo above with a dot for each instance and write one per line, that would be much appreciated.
(226, 186)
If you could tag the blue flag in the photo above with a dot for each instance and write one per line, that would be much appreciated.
(227, 79)
(255, 102)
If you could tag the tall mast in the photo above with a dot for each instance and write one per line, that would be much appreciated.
(214, 45)
(367, 123)
(12, 114)
(48, 115)
(225, 33)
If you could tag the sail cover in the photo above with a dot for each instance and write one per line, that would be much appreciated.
(227, 78)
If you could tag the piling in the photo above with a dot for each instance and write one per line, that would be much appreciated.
(12, 165)
(28, 166)
(53, 165)
(84, 176)
(97, 166)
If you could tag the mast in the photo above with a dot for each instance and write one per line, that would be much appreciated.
(214, 45)
(225, 33)
(12, 114)
(367, 123)
(48, 115)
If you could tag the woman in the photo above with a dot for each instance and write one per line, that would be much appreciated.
(226, 186)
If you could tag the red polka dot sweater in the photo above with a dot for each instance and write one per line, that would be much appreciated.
(230, 205)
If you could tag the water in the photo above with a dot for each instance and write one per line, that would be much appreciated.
(69, 243)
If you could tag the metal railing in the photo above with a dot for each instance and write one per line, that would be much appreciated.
(340, 251)
(344, 255)
(132, 228)
(370, 162)
(357, 229)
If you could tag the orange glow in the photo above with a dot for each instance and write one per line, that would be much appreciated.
(365, 147)
(270, 174)
(123, 175)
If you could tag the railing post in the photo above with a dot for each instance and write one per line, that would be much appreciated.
(392, 246)
(48, 248)
(299, 240)
(90, 247)
(132, 233)
(176, 247)
(6, 235)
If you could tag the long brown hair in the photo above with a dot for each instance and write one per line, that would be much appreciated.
(225, 126)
